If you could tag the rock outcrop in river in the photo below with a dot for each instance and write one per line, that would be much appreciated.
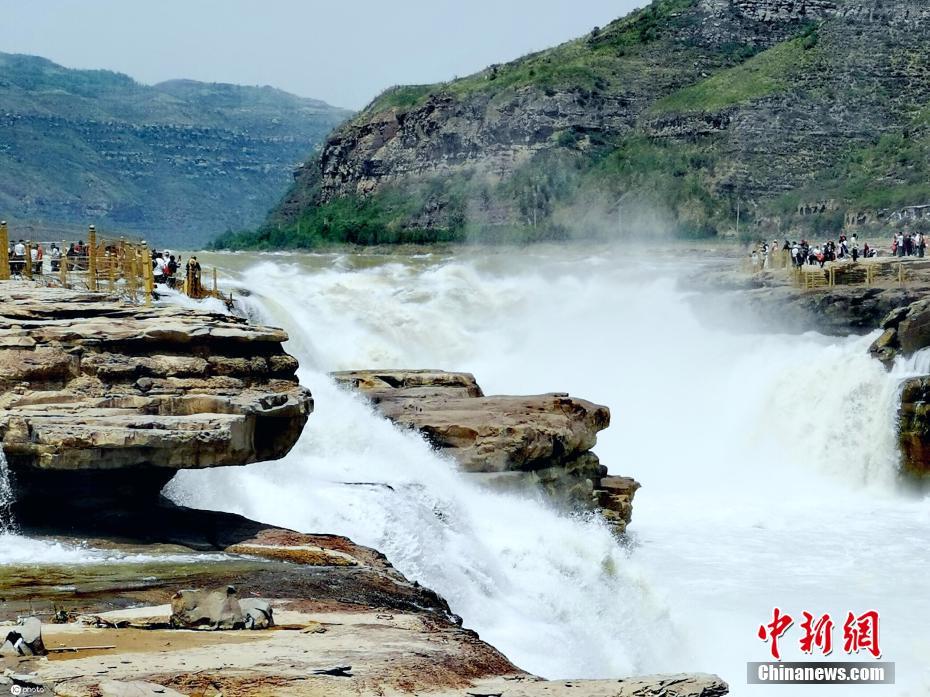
(99, 399)
(506, 441)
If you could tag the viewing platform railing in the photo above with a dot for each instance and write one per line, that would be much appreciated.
(116, 266)
(864, 271)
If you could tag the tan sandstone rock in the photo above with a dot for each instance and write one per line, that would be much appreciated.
(90, 383)
(484, 434)
(505, 442)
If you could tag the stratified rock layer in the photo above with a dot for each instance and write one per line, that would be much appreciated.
(484, 434)
(91, 384)
(541, 441)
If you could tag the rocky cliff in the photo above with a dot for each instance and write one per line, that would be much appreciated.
(807, 113)
(178, 162)
(100, 399)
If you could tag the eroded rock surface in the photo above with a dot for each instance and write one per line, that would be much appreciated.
(316, 652)
(914, 426)
(91, 384)
(906, 331)
(483, 434)
(510, 442)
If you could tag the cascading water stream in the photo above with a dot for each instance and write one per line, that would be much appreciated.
(768, 462)
(6, 496)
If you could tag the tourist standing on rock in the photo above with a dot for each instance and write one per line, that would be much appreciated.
(36, 254)
(19, 256)
(160, 268)
(172, 270)
(899, 245)
(55, 254)
(919, 244)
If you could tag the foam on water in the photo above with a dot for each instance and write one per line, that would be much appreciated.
(768, 462)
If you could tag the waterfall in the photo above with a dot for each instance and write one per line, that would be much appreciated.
(6, 496)
(768, 463)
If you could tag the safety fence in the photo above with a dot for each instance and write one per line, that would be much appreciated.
(114, 266)
(842, 272)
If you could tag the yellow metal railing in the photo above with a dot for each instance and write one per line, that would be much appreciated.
(112, 266)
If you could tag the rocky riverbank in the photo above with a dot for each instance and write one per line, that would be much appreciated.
(100, 403)
(770, 301)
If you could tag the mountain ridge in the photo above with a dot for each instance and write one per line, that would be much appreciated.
(671, 118)
(177, 162)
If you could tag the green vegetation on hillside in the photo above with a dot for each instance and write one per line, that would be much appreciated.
(668, 120)
(764, 74)
(586, 63)
(175, 163)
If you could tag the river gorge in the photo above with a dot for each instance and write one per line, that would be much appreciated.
(768, 461)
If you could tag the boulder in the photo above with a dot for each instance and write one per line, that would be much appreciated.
(258, 613)
(207, 609)
(907, 331)
(505, 442)
(25, 639)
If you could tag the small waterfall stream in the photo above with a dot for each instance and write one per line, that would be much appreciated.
(6, 496)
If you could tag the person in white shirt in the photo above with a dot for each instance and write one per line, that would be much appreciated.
(161, 268)
(55, 253)
(19, 255)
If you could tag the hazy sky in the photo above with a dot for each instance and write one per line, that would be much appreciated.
(342, 52)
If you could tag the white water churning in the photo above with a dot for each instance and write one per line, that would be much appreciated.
(768, 463)
(6, 496)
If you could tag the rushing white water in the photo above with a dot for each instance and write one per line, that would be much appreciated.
(6, 496)
(767, 462)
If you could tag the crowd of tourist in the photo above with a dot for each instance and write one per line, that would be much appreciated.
(165, 266)
(799, 254)
(17, 252)
(906, 244)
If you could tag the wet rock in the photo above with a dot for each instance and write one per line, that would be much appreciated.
(837, 311)
(536, 442)
(886, 347)
(914, 427)
(483, 434)
(907, 331)
(615, 498)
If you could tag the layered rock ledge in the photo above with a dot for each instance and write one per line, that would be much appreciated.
(90, 385)
(347, 622)
(506, 441)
